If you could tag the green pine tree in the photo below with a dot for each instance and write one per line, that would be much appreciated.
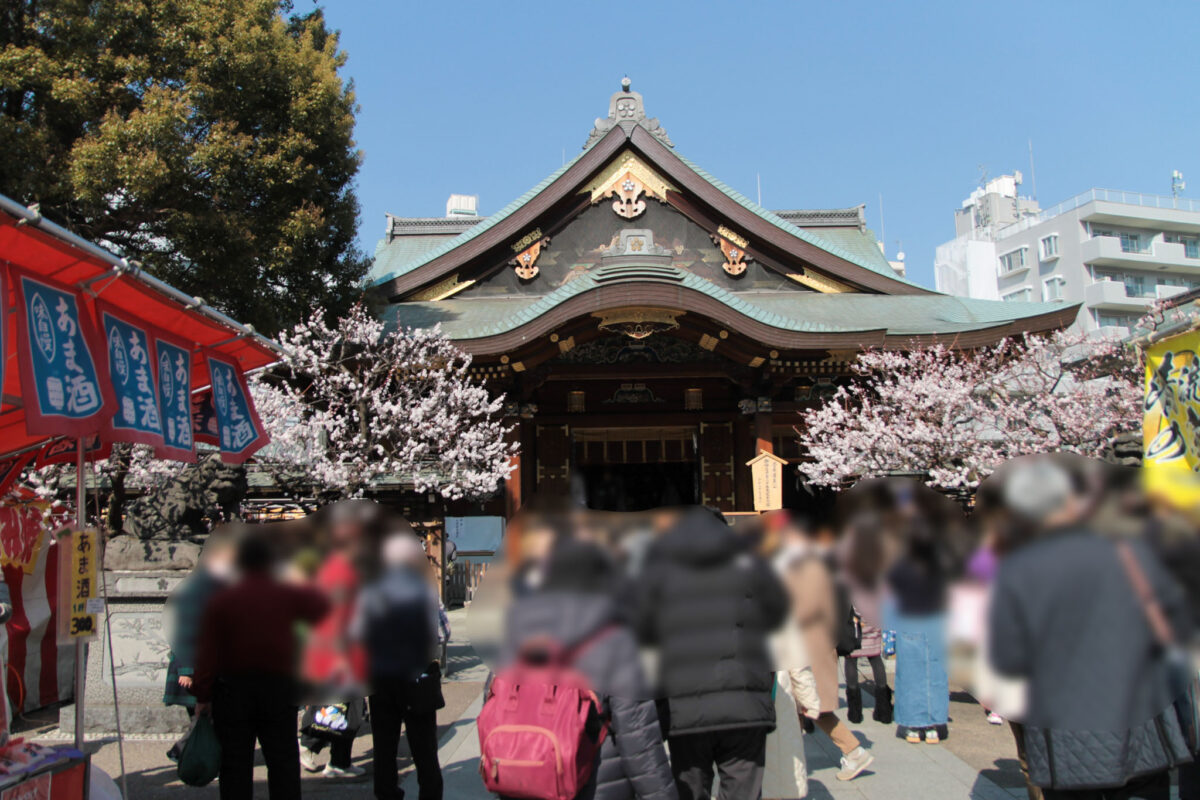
(212, 140)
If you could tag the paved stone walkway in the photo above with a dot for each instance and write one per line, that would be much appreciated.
(976, 761)
(901, 770)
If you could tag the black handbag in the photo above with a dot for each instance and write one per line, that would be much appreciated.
(425, 693)
(333, 721)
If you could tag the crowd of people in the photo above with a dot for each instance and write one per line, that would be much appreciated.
(338, 615)
(669, 654)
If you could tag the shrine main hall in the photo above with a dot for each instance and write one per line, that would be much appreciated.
(652, 329)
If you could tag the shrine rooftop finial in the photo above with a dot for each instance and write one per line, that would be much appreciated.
(626, 109)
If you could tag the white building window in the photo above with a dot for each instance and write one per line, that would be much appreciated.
(1049, 247)
(1053, 287)
(1021, 295)
(1013, 260)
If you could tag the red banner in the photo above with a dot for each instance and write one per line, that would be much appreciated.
(63, 451)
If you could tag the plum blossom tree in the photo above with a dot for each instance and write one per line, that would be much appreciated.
(350, 404)
(358, 403)
(954, 415)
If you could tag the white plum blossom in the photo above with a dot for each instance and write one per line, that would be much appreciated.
(955, 415)
(358, 404)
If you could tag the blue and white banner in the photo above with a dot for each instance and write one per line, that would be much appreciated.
(175, 397)
(132, 368)
(241, 431)
(62, 360)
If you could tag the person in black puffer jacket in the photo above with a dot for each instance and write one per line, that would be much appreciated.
(576, 606)
(708, 604)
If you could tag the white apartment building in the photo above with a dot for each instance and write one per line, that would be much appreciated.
(1114, 252)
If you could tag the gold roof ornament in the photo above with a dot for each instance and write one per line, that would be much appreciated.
(638, 322)
(628, 179)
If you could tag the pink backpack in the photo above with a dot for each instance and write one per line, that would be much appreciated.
(541, 726)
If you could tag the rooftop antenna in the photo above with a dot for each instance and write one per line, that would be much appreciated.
(882, 226)
(758, 180)
(983, 176)
(1177, 186)
(1032, 172)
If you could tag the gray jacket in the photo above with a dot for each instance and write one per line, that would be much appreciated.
(1064, 616)
(633, 762)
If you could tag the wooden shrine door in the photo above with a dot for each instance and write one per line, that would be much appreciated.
(716, 465)
(553, 460)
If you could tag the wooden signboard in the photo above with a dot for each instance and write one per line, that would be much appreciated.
(766, 470)
(79, 592)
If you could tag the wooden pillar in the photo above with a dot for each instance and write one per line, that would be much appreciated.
(762, 433)
(512, 486)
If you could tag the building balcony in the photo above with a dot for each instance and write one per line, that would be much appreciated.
(1107, 251)
(1112, 295)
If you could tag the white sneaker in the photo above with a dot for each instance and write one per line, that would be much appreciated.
(343, 772)
(308, 760)
(994, 718)
(855, 762)
(931, 736)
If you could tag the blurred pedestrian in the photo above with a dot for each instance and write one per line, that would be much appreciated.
(576, 609)
(816, 610)
(184, 611)
(709, 604)
(919, 582)
(1080, 618)
(329, 660)
(246, 672)
(863, 566)
(397, 619)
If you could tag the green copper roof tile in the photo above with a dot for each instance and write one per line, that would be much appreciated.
(468, 235)
(823, 240)
(470, 318)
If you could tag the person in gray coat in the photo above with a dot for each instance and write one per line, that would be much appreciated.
(576, 606)
(1065, 616)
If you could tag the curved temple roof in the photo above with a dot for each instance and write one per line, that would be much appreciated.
(868, 304)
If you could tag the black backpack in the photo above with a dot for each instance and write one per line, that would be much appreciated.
(849, 621)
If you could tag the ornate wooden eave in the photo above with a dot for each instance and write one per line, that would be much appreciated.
(697, 198)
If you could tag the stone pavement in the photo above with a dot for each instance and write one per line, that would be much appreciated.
(977, 760)
(901, 770)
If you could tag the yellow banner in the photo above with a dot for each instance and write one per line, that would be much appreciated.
(1171, 425)
(82, 589)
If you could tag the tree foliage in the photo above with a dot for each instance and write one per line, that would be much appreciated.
(361, 404)
(212, 140)
(954, 415)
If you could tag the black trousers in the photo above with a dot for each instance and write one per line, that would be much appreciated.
(340, 750)
(739, 756)
(1150, 787)
(263, 709)
(389, 710)
(1189, 782)
(877, 670)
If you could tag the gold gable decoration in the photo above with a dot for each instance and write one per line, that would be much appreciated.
(733, 247)
(820, 283)
(627, 179)
(528, 248)
(638, 322)
(441, 290)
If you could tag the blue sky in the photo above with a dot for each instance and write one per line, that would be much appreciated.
(833, 104)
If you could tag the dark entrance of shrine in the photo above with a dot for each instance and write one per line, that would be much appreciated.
(636, 469)
(638, 487)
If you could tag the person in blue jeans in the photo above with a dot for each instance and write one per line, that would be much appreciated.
(919, 581)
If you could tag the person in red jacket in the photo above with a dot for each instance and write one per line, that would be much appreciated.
(333, 662)
(246, 672)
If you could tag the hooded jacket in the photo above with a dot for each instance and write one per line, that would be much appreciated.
(709, 605)
(633, 762)
(1065, 617)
